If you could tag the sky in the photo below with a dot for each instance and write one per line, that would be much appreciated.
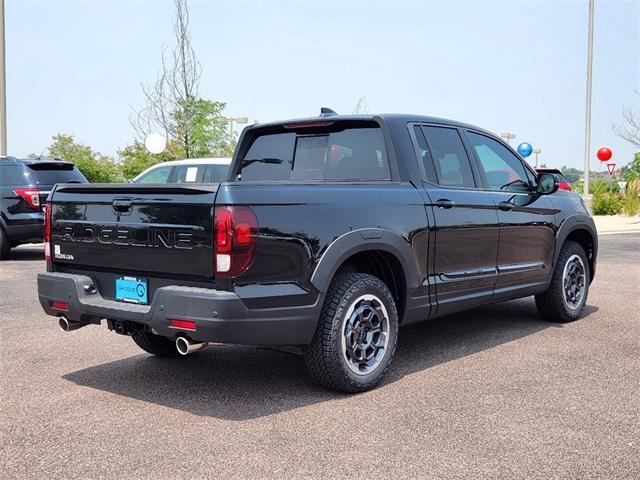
(76, 67)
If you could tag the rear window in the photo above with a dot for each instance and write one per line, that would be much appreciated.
(342, 154)
(52, 173)
(13, 175)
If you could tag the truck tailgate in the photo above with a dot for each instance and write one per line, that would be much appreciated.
(134, 228)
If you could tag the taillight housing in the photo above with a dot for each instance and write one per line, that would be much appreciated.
(235, 240)
(47, 232)
(564, 186)
(30, 195)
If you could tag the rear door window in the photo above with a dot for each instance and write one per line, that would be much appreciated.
(348, 154)
(52, 173)
(450, 160)
(188, 174)
(216, 173)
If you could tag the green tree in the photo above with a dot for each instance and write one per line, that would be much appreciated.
(135, 159)
(96, 167)
(571, 174)
(632, 171)
(201, 131)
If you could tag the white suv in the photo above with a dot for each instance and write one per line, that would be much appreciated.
(193, 170)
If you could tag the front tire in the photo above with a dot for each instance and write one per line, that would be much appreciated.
(356, 335)
(566, 296)
(155, 344)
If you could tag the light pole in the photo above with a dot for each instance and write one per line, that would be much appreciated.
(537, 151)
(3, 88)
(587, 116)
(232, 120)
(508, 136)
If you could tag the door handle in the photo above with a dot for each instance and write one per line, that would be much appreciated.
(445, 203)
(506, 206)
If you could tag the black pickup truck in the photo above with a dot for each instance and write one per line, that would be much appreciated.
(329, 234)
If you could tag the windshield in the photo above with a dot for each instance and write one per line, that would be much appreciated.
(347, 154)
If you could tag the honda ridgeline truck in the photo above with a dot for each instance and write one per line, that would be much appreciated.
(329, 234)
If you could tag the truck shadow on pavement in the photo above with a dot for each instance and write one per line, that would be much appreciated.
(240, 383)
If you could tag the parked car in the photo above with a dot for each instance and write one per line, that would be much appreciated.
(24, 186)
(562, 181)
(330, 233)
(193, 170)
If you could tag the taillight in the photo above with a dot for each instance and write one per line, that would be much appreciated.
(236, 235)
(47, 231)
(564, 186)
(30, 195)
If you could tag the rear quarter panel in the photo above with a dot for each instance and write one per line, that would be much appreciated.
(298, 223)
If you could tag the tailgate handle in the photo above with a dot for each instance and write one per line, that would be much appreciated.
(122, 206)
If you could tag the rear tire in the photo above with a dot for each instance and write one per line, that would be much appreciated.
(5, 246)
(356, 335)
(155, 344)
(566, 296)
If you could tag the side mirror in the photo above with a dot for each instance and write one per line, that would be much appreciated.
(547, 184)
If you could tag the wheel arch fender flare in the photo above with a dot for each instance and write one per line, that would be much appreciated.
(571, 224)
(361, 240)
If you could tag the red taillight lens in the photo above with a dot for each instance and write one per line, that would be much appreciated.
(564, 186)
(236, 237)
(47, 231)
(30, 195)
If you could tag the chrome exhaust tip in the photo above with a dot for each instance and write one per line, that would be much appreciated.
(185, 347)
(67, 325)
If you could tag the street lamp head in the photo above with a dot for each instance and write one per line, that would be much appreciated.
(537, 151)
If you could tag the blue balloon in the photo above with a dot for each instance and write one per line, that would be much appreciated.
(525, 149)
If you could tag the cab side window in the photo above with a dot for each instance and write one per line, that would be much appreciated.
(450, 160)
(502, 169)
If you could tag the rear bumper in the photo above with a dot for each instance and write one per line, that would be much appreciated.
(26, 232)
(219, 316)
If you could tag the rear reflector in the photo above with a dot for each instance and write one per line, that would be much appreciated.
(60, 306)
(183, 324)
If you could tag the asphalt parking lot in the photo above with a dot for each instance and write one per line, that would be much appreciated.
(491, 393)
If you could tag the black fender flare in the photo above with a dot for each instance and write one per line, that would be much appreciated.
(360, 240)
(571, 224)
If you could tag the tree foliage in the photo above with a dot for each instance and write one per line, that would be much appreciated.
(96, 167)
(202, 130)
(135, 159)
(571, 174)
(632, 170)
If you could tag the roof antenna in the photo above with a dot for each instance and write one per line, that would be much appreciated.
(327, 112)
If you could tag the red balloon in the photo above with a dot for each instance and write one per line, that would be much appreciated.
(604, 154)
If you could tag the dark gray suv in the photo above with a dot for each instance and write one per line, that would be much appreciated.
(24, 186)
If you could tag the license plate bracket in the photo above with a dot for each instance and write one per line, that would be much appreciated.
(132, 290)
